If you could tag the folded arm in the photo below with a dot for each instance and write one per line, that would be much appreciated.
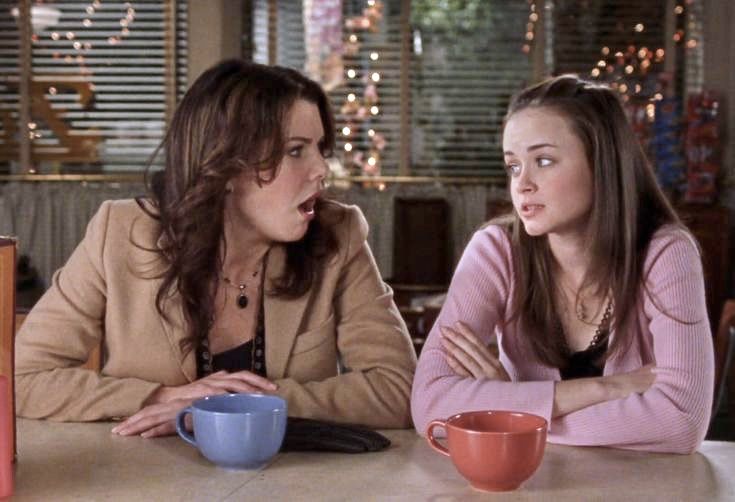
(613, 410)
(673, 415)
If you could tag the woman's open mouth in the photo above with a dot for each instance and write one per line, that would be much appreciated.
(307, 207)
(529, 210)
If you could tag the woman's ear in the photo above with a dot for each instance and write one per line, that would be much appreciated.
(228, 187)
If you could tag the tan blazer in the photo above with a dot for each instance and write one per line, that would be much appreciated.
(106, 289)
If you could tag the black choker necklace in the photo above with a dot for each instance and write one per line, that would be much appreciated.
(242, 299)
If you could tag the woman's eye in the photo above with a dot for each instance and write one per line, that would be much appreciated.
(513, 169)
(543, 162)
(295, 151)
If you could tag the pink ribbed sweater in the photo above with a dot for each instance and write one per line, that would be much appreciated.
(672, 416)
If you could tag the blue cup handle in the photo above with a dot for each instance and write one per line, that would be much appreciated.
(181, 426)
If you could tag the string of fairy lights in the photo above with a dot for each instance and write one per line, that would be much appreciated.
(88, 21)
(530, 35)
(360, 110)
(81, 48)
(624, 69)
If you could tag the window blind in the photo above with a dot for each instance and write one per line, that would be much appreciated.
(587, 34)
(101, 74)
(582, 28)
(694, 44)
(460, 83)
(289, 33)
(465, 67)
(9, 106)
(466, 61)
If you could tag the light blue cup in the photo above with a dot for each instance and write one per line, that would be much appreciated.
(236, 431)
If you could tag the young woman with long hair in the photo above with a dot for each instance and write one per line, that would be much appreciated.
(592, 286)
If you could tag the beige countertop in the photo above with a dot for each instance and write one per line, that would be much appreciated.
(86, 462)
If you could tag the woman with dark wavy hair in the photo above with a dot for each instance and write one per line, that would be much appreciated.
(234, 275)
(592, 286)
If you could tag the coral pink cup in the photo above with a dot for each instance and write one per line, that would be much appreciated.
(493, 450)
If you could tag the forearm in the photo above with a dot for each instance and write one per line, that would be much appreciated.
(79, 395)
(438, 396)
(646, 422)
(374, 398)
(635, 413)
(574, 395)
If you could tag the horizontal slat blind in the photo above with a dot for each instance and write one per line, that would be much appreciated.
(99, 81)
(260, 31)
(9, 105)
(289, 33)
(694, 43)
(460, 84)
(470, 64)
(182, 49)
(467, 61)
(583, 28)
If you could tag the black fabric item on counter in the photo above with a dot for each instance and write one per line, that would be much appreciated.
(304, 434)
(585, 363)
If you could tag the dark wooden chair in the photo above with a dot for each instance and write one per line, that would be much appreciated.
(708, 224)
(422, 258)
(724, 342)
(422, 242)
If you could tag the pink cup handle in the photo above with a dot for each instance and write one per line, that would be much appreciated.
(432, 440)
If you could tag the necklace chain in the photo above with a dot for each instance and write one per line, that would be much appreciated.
(580, 309)
(242, 299)
(242, 285)
(602, 329)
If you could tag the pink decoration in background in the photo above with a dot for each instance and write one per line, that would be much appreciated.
(379, 141)
(370, 95)
(323, 41)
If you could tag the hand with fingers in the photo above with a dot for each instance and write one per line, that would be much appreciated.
(158, 414)
(638, 381)
(468, 356)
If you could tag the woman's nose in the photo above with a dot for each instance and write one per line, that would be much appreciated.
(321, 168)
(524, 181)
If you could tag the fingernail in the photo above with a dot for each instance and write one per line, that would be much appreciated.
(115, 429)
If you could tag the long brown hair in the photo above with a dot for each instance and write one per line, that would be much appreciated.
(231, 120)
(628, 207)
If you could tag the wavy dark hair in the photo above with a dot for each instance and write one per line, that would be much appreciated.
(628, 207)
(231, 120)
